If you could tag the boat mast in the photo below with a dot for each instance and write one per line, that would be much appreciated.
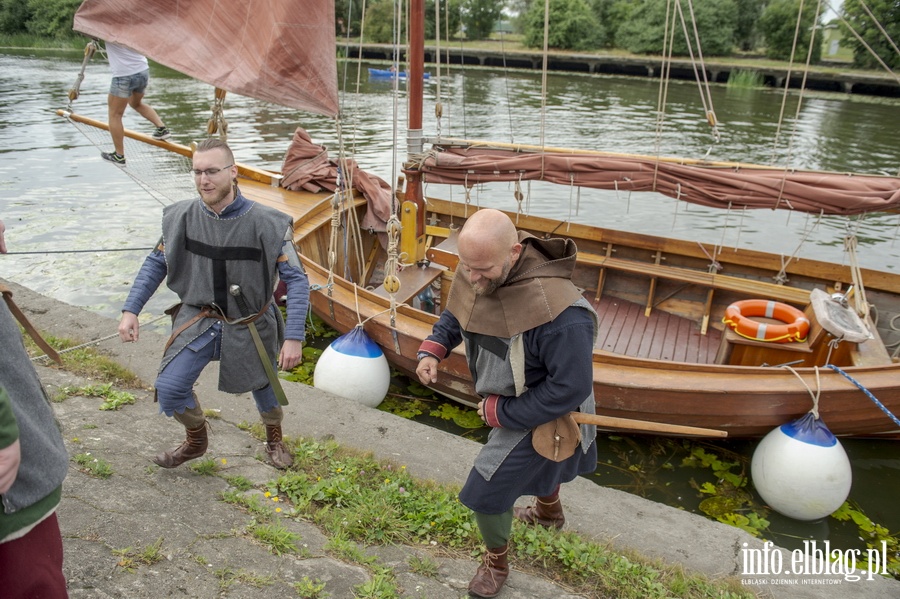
(413, 209)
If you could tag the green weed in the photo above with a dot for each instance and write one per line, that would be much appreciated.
(276, 537)
(96, 467)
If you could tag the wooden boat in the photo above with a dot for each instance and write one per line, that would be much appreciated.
(663, 354)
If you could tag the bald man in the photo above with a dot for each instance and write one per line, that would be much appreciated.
(529, 337)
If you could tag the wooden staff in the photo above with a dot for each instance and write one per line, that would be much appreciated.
(645, 426)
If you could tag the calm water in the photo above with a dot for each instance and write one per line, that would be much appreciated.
(58, 195)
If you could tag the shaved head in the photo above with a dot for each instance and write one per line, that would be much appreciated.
(488, 248)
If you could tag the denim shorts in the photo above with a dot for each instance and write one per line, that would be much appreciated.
(123, 87)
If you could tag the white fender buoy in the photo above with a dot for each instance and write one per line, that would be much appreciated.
(801, 470)
(354, 367)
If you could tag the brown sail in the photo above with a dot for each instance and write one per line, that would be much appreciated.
(281, 52)
(718, 185)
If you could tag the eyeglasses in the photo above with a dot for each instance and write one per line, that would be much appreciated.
(209, 172)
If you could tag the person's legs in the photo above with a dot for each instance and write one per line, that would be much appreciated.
(31, 566)
(116, 106)
(175, 393)
(145, 110)
(494, 569)
(272, 415)
(547, 511)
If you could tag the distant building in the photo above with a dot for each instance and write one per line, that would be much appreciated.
(831, 39)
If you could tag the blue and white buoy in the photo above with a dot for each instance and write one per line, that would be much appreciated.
(354, 367)
(801, 470)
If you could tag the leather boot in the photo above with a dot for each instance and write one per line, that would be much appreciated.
(547, 512)
(191, 448)
(277, 451)
(491, 574)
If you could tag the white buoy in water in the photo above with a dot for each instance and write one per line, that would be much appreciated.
(353, 366)
(801, 470)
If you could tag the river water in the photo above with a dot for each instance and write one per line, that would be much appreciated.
(67, 211)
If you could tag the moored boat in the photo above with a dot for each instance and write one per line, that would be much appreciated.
(664, 355)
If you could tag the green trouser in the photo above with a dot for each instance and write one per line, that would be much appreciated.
(495, 528)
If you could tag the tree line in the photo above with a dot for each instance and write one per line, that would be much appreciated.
(724, 27)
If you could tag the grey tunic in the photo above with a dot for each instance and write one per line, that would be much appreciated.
(205, 255)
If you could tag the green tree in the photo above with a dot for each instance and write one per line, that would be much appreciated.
(451, 18)
(887, 13)
(14, 16)
(644, 31)
(52, 18)
(746, 35)
(348, 18)
(573, 26)
(778, 25)
(379, 23)
(611, 14)
(479, 16)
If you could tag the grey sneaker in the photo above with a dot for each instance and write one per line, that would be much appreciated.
(162, 133)
(113, 157)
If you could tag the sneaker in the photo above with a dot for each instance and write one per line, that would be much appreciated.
(162, 133)
(113, 157)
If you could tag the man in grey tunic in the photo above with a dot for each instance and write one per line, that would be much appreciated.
(528, 336)
(222, 254)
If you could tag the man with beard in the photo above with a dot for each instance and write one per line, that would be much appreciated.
(528, 336)
(222, 255)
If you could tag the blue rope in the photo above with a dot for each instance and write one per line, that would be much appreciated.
(867, 392)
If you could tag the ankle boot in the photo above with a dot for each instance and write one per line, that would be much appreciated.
(275, 448)
(191, 448)
(547, 512)
(491, 574)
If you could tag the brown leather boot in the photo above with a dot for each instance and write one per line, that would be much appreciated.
(547, 512)
(191, 448)
(276, 449)
(491, 574)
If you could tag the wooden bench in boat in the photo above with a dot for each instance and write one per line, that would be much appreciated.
(750, 287)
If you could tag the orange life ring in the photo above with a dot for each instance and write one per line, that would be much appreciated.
(738, 317)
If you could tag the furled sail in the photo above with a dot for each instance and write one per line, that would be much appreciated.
(272, 50)
(709, 184)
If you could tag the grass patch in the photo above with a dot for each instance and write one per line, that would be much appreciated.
(276, 537)
(423, 565)
(360, 501)
(130, 558)
(112, 399)
(26, 40)
(228, 577)
(745, 79)
(207, 467)
(240, 483)
(96, 467)
(86, 361)
(310, 589)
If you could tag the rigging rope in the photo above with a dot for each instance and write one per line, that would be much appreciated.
(868, 393)
(161, 173)
(75, 90)
(860, 302)
(217, 122)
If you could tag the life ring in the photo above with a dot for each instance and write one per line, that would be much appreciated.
(795, 325)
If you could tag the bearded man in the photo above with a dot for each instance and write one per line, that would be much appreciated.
(529, 337)
(222, 254)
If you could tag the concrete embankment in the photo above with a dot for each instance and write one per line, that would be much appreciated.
(141, 503)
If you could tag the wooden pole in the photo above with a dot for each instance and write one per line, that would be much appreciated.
(646, 426)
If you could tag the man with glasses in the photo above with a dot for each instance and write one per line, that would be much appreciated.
(223, 255)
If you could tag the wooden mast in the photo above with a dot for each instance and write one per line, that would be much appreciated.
(413, 209)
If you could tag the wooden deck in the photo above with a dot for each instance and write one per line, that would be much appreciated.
(661, 336)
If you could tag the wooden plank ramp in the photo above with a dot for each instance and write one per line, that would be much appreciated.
(625, 330)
